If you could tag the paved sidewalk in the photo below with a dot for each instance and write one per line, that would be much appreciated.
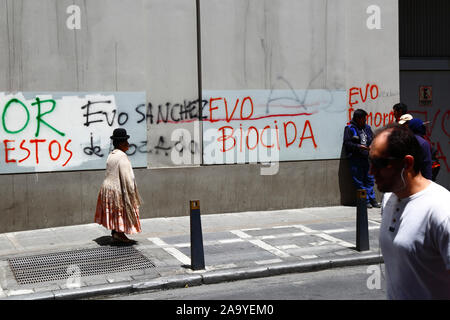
(236, 246)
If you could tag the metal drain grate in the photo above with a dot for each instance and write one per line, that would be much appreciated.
(89, 262)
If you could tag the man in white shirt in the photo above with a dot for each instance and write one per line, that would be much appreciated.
(415, 228)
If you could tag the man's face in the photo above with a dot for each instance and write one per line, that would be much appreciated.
(386, 171)
(397, 115)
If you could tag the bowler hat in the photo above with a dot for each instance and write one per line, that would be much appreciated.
(120, 134)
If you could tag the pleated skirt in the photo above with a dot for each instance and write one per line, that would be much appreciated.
(111, 214)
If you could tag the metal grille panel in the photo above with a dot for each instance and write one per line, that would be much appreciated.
(424, 28)
(87, 262)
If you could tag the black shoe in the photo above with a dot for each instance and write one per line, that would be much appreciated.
(375, 204)
(369, 205)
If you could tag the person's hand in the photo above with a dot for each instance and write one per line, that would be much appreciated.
(363, 147)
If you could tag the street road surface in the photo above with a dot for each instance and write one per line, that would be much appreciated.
(351, 283)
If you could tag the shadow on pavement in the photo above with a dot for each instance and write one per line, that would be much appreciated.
(109, 241)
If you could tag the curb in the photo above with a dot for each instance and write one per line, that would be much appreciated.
(191, 280)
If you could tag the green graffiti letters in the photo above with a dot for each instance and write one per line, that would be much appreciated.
(4, 113)
(39, 117)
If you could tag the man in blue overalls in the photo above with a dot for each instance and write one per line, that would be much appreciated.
(357, 138)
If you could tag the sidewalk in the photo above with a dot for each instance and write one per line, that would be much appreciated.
(236, 246)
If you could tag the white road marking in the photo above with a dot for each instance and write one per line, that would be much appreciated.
(208, 243)
(182, 245)
(280, 236)
(225, 241)
(268, 237)
(257, 240)
(268, 261)
(298, 234)
(347, 230)
(335, 240)
(336, 231)
(304, 228)
(269, 248)
(173, 251)
(260, 244)
(241, 234)
(288, 246)
(179, 255)
(159, 242)
(251, 229)
(323, 235)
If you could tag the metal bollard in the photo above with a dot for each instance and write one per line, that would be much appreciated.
(362, 224)
(197, 255)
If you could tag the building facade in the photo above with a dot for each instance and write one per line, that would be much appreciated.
(239, 104)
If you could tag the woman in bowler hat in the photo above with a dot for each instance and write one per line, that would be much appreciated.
(119, 200)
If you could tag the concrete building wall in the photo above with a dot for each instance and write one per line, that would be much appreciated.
(423, 73)
(151, 46)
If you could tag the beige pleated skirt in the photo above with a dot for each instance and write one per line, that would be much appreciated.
(111, 212)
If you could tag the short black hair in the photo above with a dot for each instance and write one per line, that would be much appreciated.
(116, 143)
(359, 113)
(401, 142)
(403, 108)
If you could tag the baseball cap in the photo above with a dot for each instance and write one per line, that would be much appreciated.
(404, 118)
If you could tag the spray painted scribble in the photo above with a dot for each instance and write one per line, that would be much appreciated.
(174, 131)
(290, 124)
